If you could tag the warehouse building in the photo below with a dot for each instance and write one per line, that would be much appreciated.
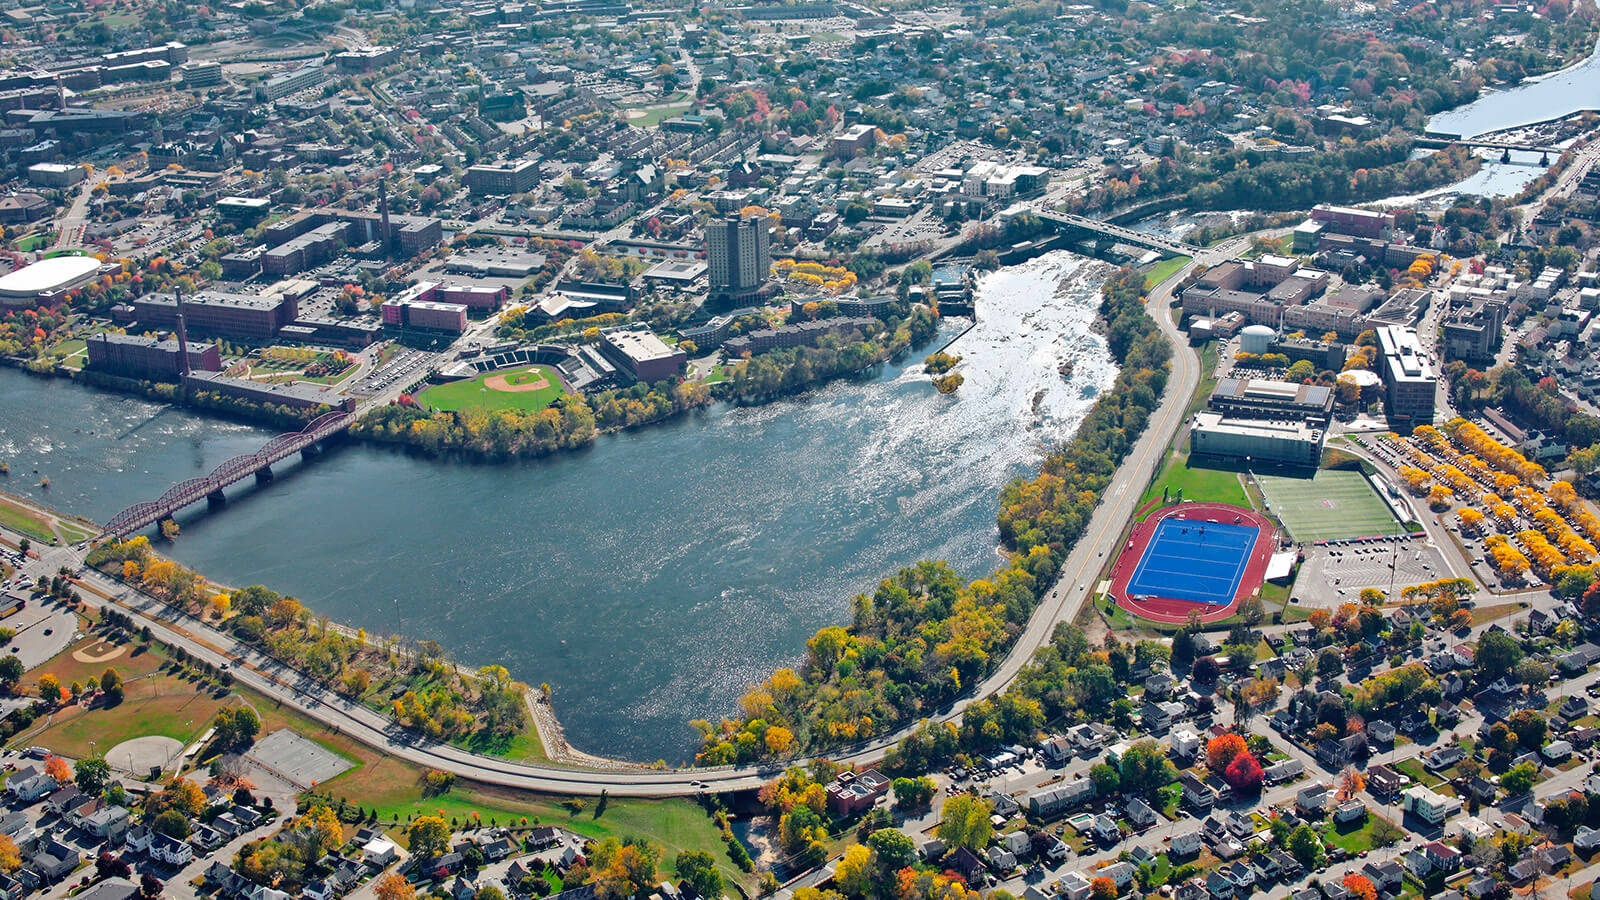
(426, 315)
(135, 356)
(249, 317)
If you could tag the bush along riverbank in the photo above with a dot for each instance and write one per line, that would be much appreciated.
(926, 634)
(575, 421)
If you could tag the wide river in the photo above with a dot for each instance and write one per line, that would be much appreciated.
(648, 579)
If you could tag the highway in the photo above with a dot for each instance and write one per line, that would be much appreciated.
(1061, 603)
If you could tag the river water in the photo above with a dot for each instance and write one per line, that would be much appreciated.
(648, 579)
(1559, 94)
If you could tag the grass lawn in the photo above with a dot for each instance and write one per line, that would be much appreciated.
(1196, 483)
(25, 521)
(520, 746)
(1492, 611)
(654, 117)
(394, 789)
(1334, 503)
(1352, 839)
(158, 705)
(1412, 768)
(474, 393)
(1162, 270)
(35, 241)
(130, 665)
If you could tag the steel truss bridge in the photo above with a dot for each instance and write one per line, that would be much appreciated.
(258, 464)
(1082, 224)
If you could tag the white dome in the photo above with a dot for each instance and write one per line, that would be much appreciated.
(48, 275)
(1259, 331)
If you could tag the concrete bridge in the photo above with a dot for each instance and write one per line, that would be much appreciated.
(1488, 144)
(209, 487)
(1068, 223)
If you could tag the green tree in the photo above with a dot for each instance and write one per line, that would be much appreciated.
(700, 870)
(1145, 768)
(93, 775)
(1519, 779)
(892, 850)
(1305, 845)
(1107, 780)
(1301, 371)
(964, 822)
(913, 793)
(172, 823)
(1498, 652)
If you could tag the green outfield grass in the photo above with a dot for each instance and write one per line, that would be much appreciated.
(476, 393)
(1334, 504)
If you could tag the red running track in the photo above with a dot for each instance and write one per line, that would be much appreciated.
(1176, 612)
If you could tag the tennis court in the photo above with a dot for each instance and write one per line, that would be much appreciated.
(1201, 562)
(1332, 505)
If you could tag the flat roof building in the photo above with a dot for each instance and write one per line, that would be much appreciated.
(1261, 398)
(1291, 442)
(48, 174)
(249, 317)
(514, 177)
(47, 280)
(636, 350)
(1408, 378)
(135, 356)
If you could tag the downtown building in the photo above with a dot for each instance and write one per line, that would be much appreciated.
(738, 255)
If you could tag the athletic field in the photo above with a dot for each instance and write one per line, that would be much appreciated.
(1334, 504)
(1201, 562)
(526, 388)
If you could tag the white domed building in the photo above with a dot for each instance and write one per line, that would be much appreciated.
(47, 280)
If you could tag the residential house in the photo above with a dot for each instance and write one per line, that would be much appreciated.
(1441, 758)
(1428, 806)
(1120, 873)
(1332, 754)
(108, 823)
(380, 853)
(1556, 751)
(1139, 813)
(1190, 843)
(1312, 801)
(1442, 857)
(1287, 770)
(1586, 839)
(1219, 886)
(170, 850)
(1196, 793)
(1075, 886)
(110, 889)
(1383, 780)
(28, 784)
(1056, 750)
(1103, 828)
(1349, 811)
(1385, 876)
(1185, 744)
(1057, 799)
(1381, 731)
(1553, 857)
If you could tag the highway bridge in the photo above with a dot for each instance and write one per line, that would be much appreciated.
(1506, 147)
(257, 464)
(1068, 223)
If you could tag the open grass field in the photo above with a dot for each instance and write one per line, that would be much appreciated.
(527, 388)
(24, 520)
(158, 705)
(1333, 504)
(394, 788)
(1162, 270)
(1198, 483)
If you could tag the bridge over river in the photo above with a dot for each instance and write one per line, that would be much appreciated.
(1066, 222)
(257, 465)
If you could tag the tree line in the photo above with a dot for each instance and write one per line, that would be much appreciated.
(926, 634)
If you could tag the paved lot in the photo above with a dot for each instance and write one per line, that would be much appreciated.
(42, 631)
(1332, 575)
(296, 759)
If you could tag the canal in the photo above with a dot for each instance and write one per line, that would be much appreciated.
(648, 579)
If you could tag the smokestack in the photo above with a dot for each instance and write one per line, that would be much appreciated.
(383, 209)
(183, 338)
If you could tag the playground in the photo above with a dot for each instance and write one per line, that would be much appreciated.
(526, 388)
(1192, 557)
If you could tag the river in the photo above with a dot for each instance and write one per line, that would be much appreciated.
(648, 579)
(1553, 96)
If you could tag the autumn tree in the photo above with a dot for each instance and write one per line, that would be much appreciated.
(853, 874)
(1103, 888)
(10, 856)
(1221, 750)
(1244, 773)
(1360, 887)
(429, 835)
(623, 869)
(323, 831)
(394, 886)
(964, 822)
(58, 768)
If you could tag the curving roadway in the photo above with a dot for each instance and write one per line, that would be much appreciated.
(1061, 603)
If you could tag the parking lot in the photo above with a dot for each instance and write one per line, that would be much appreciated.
(1336, 572)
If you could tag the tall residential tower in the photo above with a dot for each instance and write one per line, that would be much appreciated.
(738, 255)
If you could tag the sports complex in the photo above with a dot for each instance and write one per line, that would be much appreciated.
(1193, 557)
(528, 388)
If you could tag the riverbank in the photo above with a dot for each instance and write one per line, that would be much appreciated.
(623, 573)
